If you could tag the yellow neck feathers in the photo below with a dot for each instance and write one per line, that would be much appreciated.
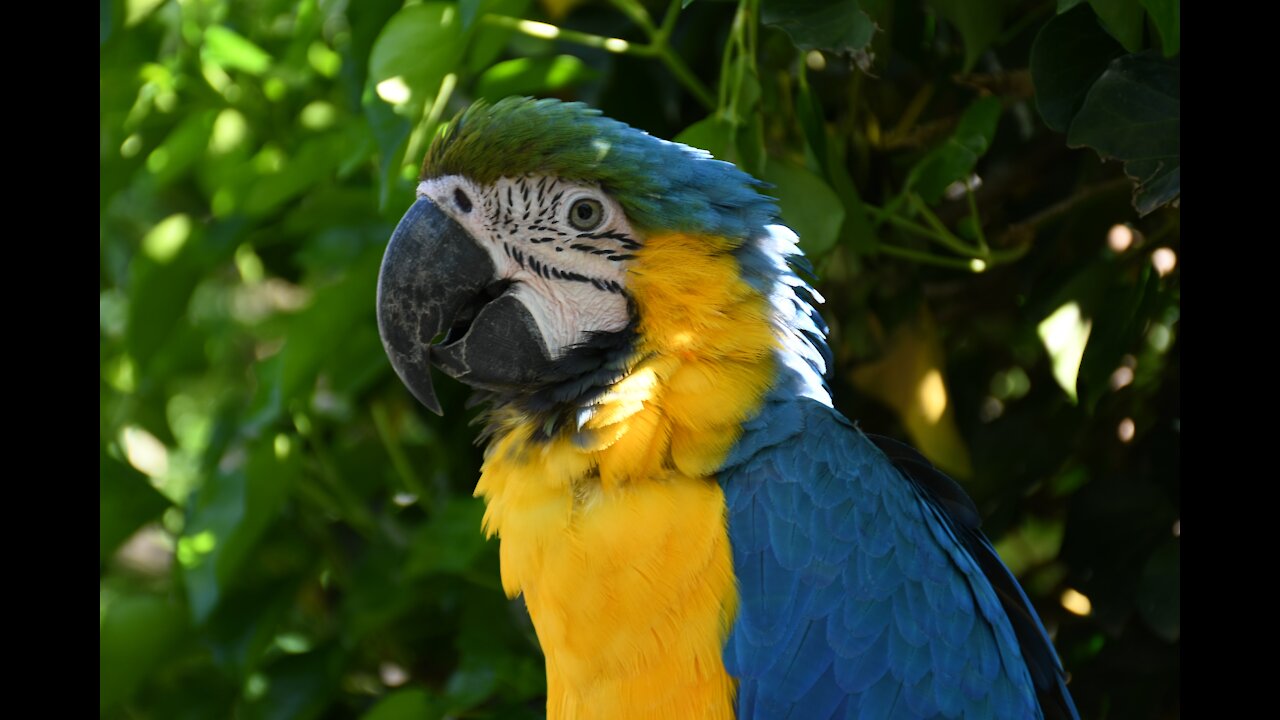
(615, 533)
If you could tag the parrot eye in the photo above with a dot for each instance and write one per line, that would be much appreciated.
(462, 201)
(586, 214)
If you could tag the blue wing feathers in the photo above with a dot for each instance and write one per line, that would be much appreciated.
(865, 587)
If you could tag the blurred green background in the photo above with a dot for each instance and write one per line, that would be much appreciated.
(286, 534)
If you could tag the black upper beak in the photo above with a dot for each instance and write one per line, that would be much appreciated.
(436, 278)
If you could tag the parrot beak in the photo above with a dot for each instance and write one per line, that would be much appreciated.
(436, 278)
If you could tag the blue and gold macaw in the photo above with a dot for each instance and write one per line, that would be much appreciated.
(696, 531)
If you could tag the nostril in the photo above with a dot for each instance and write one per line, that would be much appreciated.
(461, 200)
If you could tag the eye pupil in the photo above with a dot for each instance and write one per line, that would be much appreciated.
(586, 214)
(463, 202)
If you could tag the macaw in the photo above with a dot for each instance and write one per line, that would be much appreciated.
(696, 531)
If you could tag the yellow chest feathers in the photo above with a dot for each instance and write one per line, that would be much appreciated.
(615, 533)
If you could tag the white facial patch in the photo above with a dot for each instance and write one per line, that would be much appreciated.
(564, 245)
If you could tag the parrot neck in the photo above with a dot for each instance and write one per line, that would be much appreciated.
(613, 527)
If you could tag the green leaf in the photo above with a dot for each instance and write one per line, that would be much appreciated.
(229, 514)
(135, 636)
(1121, 310)
(470, 10)
(838, 26)
(1123, 19)
(713, 134)
(182, 148)
(979, 24)
(106, 20)
(954, 160)
(857, 232)
(809, 206)
(532, 76)
(1166, 14)
(125, 501)
(406, 704)
(230, 50)
(751, 150)
(1069, 54)
(413, 53)
(1159, 591)
(491, 40)
(314, 162)
(297, 687)
(391, 135)
(450, 542)
(159, 295)
(1132, 113)
(470, 684)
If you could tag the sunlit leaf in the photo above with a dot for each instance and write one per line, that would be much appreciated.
(230, 50)
(416, 49)
(531, 76)
(1035, 542)
(125, 501)
(182, 148)
(909, 378)
(160, 293)
(1065, 332)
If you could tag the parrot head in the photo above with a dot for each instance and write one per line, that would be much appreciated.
(513, 271)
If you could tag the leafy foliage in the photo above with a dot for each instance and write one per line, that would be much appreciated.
(284, 533)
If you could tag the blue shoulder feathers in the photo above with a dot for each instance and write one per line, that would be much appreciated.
(862, 596)
(866, 589)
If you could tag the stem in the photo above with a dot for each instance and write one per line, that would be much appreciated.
(722, 99)
(668, 23)
(977, 220)
(638, 14)
(910, 115)
(686, 77)
(946, 240)
(656, 49)
(934, 221)
(542, 30)
(430, 118)
(1028, 227)
(926, 258)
